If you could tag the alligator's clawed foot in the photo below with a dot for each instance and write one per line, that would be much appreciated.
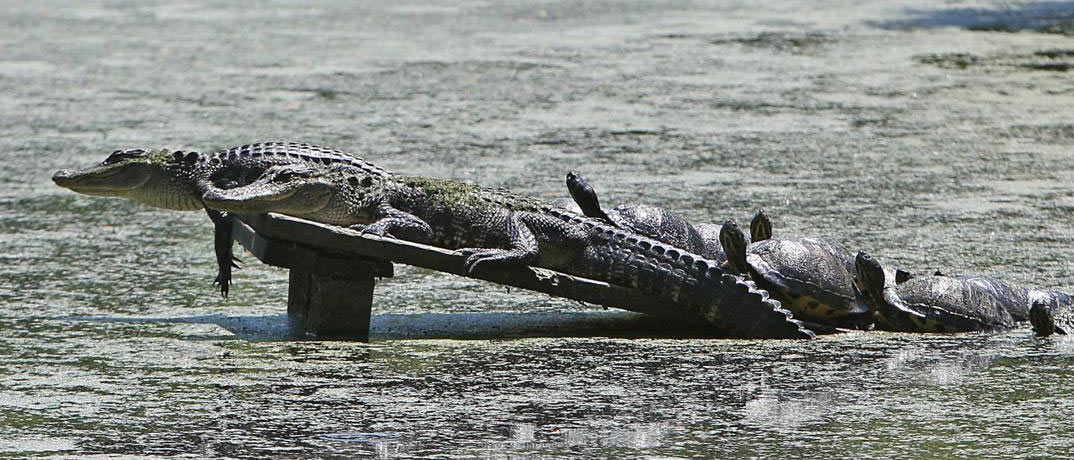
(482, 257)
(224, 281)
(373, 229)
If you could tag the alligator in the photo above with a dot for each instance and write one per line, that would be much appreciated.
(496, 228)
(177, 180)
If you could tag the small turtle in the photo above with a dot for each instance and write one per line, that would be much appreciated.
(1052, 312)
(800, 273)
(929, 303)
(651, 221)
(1016, 299)
(761, 229)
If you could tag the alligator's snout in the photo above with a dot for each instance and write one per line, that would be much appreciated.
(63, 177)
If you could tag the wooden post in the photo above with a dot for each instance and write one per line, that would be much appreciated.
(333, 297)
(328, 295)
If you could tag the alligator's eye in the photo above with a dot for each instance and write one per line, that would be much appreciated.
(120, 155)
(288, 174)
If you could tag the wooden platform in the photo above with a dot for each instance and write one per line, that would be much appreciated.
(333, 272)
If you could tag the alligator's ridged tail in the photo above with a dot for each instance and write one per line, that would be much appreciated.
(736, 306)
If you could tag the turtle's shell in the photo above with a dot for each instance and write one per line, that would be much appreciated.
(710, 236)
(660, 224)
(1013, 298)
(814, 284)
(941, 304)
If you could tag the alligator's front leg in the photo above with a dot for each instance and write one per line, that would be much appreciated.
(523, 248)
(399, 224)
(225, 259)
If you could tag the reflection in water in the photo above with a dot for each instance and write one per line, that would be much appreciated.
(524, 439)
(937, 367)
(775, 409)
(1065, 344)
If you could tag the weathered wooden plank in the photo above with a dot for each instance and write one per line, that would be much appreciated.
(292, 253)
(315, 235)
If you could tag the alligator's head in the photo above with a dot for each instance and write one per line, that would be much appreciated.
(297, 190)
(152, 177)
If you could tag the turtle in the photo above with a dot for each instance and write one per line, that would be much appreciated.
(799, 272)
(1016, 299)
(651, 221)
(929, 303)
(761, 229)
(1052, 312)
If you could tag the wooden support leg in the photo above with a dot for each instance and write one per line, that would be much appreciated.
(340, 305)
(334, 298)
(298, 295)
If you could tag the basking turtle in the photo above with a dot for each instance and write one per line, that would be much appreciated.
(800, 273)
(761, 229)
(651, 221)
(1052, 312)
(1016, 299)
(929, 303)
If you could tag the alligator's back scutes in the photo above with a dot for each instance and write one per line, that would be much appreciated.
(743, 308)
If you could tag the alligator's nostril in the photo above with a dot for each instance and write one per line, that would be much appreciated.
(62, 175)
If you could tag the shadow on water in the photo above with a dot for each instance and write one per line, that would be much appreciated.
(1047, 17)
(456, 326)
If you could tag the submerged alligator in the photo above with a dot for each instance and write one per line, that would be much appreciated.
(177, 180)
(498, 228)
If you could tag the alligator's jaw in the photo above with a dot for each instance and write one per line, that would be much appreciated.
(95, 182)
(145, 183)
(244, 203)
(300, 200)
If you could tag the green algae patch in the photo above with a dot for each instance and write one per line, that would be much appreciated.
(457, 194)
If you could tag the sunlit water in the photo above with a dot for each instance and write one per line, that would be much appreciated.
(936, 138)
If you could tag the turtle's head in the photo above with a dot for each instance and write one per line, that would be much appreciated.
(148, 176)
(734, 245)
(871, 276)
(1040, 316)
(293, 189)
(584, 196)
(760, 227)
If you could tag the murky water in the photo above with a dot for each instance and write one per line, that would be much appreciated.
(935, 137)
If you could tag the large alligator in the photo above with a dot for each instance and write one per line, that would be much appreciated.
(498, 228)
(177, 180)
